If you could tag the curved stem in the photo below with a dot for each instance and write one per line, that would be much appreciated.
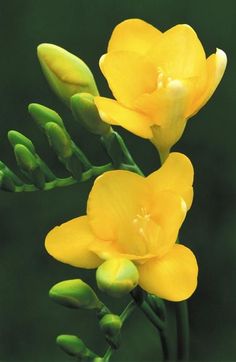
(155, 320)
(107, 355)
(63, 182)
(127, 311)
(182, 330)
(123, 316)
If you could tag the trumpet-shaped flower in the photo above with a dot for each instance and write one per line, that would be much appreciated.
(137, 218)
(159, 80)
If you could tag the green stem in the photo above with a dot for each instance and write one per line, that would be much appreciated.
(107, 355)
(127, 154)
(63, 182)
(84, 160)
(127, 311)
(46, 170)
(123, 316)
(182, 330)
(155, 320)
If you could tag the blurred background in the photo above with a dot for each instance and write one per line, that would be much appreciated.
(29, 321)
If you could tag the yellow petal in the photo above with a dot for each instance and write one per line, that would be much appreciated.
(113, 113)
(179, 53)
(115, 199)
(110, 250)
(129, 74)
(176, 175)
(173, 277)
(168, 211)
(216, 65)
(70, 244)
(165, 104)
(135, 35)
(171, 104)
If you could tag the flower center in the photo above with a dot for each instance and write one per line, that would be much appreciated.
(146, 232)
(162, 79)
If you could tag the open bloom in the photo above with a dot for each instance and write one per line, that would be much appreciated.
(159, 80)
(137, 218)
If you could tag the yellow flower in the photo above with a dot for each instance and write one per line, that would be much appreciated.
(137, 218)
(159, 80)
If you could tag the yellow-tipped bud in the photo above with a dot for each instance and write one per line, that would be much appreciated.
(65, 73)
(75, 294)
(117, 277)
(85, 111)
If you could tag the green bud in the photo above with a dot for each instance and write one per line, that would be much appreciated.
(72, 345)
(24, 158)
(59, 140)
(7, 172)
(65, 73)
(85, 111)
(75, 294)
(42, 115)
(113, 148)
(6, 183)
(15, 138)
(117, 277)
(111, 325)
(29, 165)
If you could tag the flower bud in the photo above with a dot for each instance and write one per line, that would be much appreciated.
(72, 345)
(6, 182)
(117, 277)
(59, 140)
(28, 163)
(65, 73)
(85, 111)
(111, 325)
(15, 138)
(75, 294)
(42, 115)
(24, 158)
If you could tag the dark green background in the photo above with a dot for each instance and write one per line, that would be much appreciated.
(29, 321)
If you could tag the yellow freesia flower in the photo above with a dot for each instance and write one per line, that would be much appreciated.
(137, 218)
(159, 80)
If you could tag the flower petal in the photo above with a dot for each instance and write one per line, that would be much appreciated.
(129, 74)
(216, 65)
(176, 175)
(173, 277)
(110, 250)
(168, 211)
(135, 35)
(169, 120)
(116, 197)
(70, 243)
(113, 113)
(179, 53)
